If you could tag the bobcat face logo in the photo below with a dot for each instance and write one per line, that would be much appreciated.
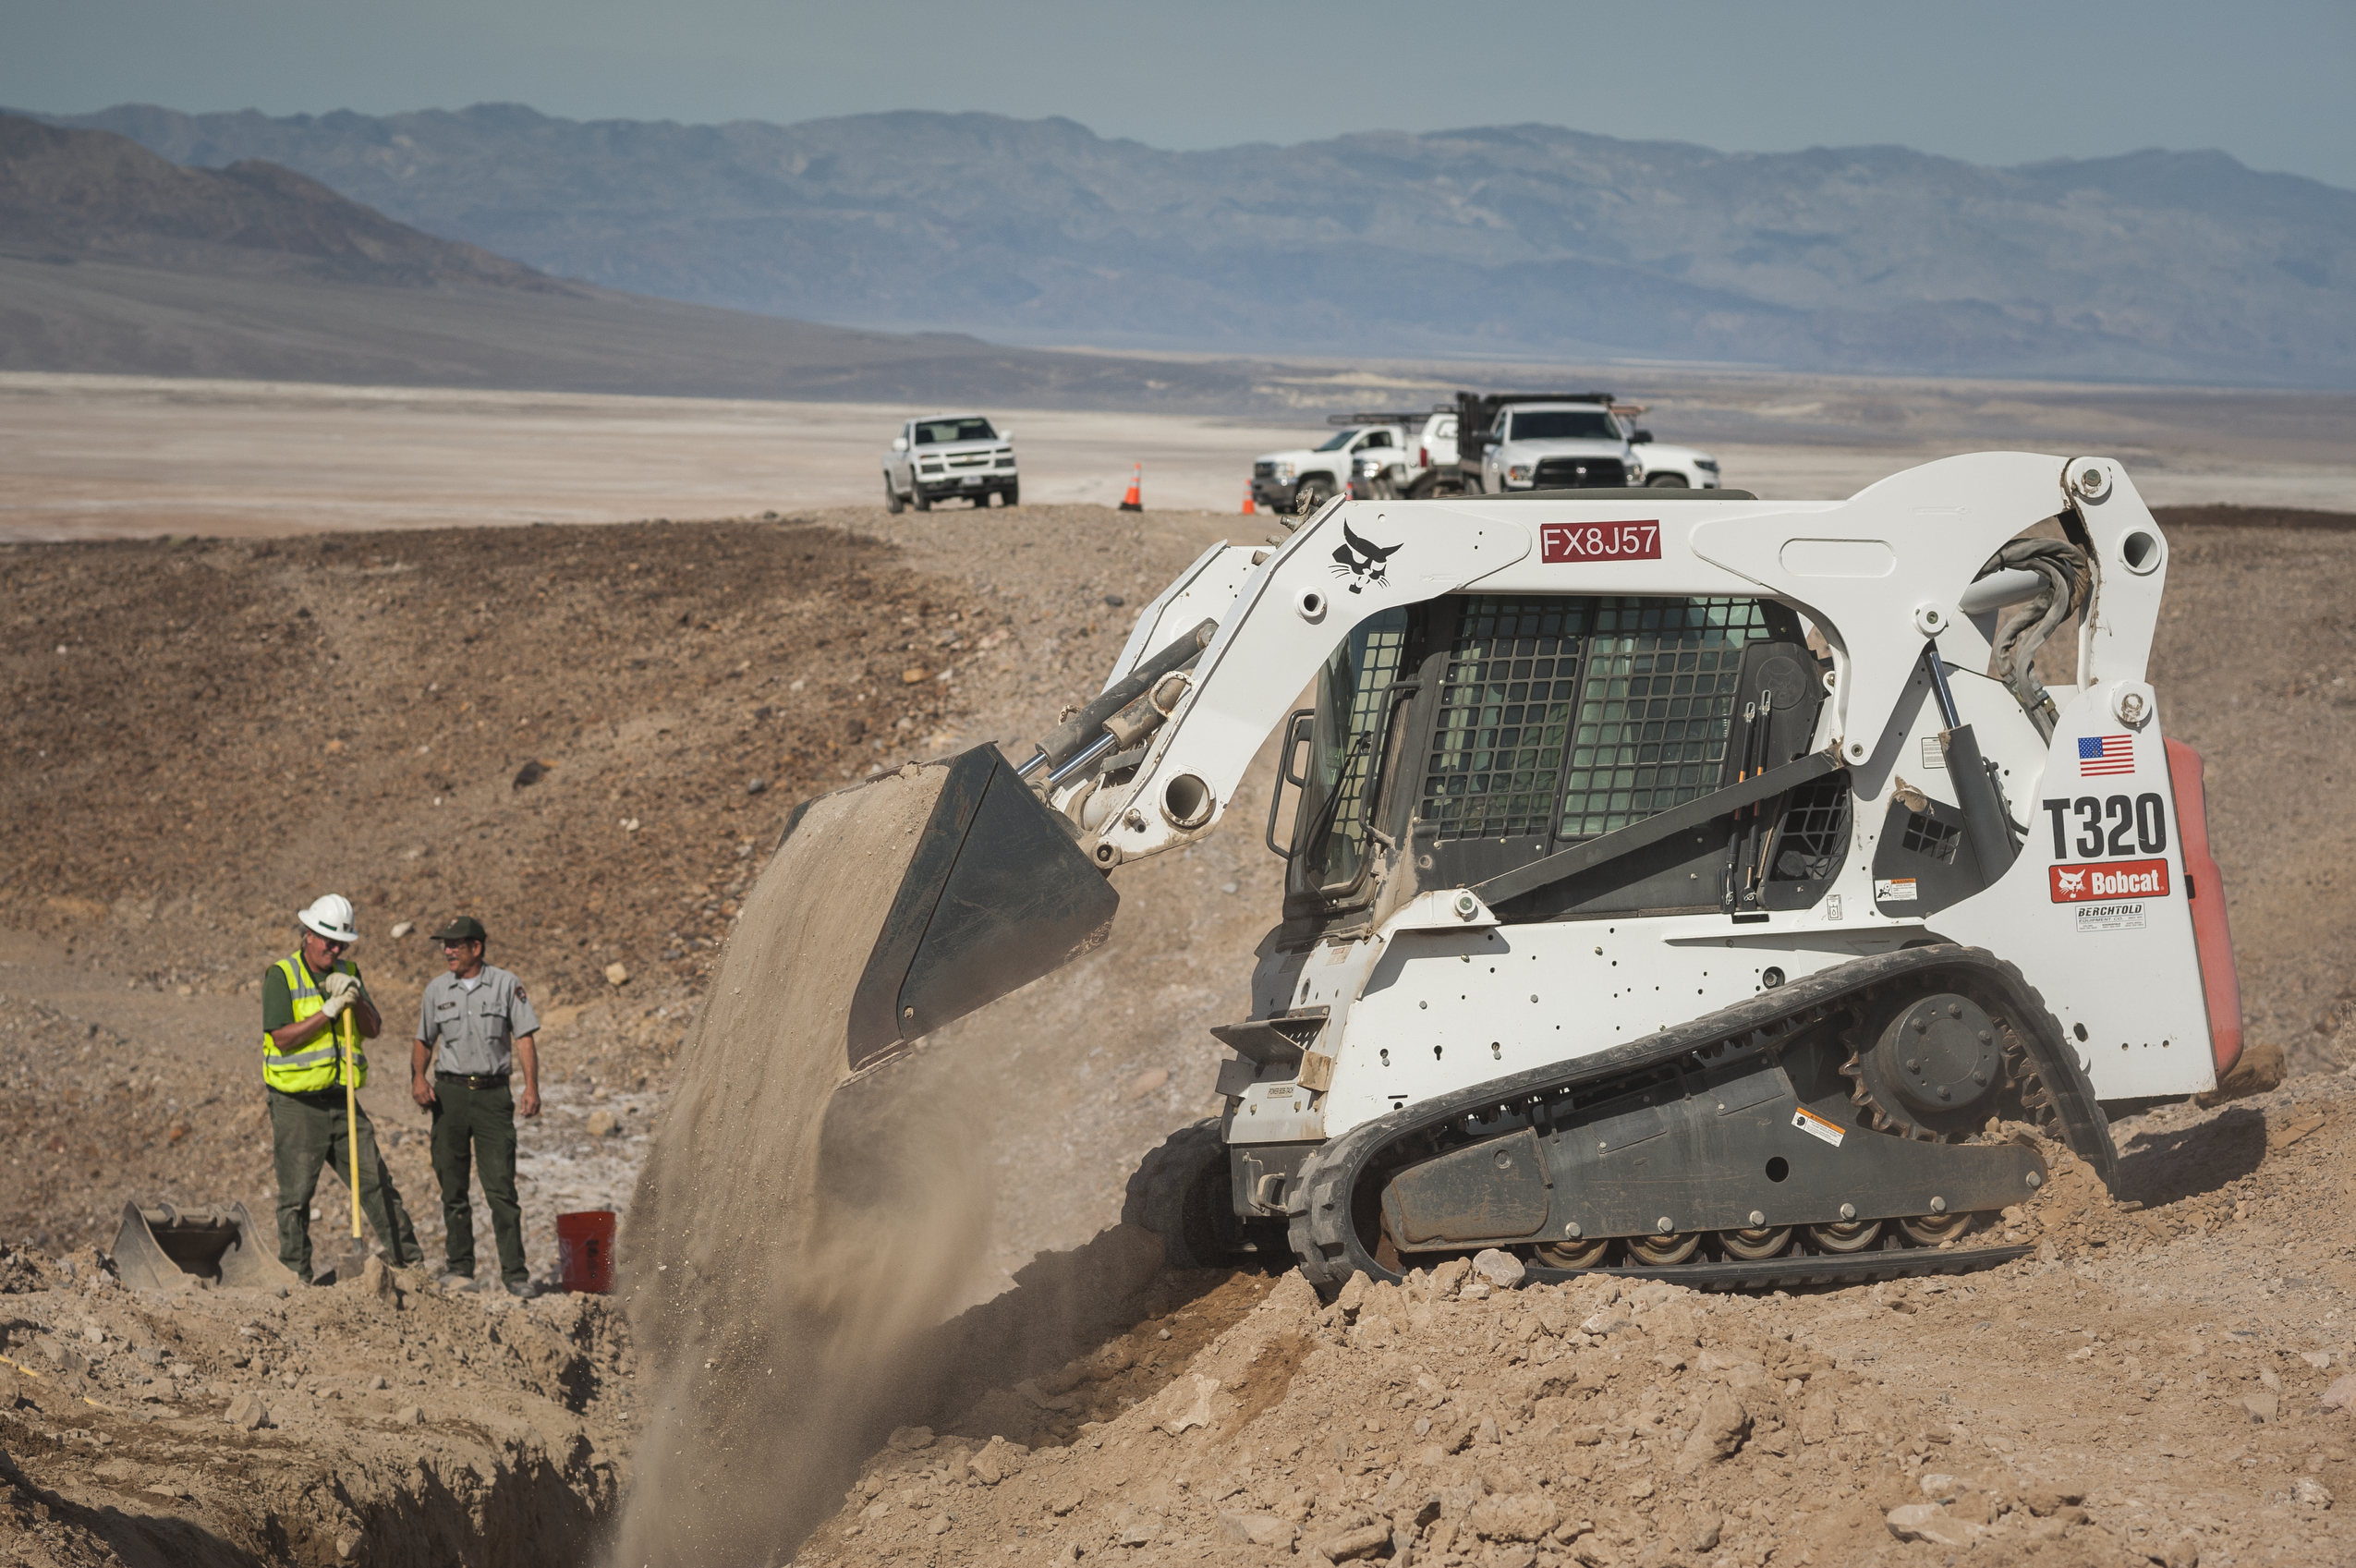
(2072, 882)
(1363, 562)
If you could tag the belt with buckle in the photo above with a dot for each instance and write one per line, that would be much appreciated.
(475, 1080)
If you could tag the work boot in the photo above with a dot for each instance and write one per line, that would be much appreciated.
(524, 1290)
(455, 1282)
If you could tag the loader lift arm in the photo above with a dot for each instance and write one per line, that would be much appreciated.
(1839, 562)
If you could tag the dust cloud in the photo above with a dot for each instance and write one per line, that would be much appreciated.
(788, 1249)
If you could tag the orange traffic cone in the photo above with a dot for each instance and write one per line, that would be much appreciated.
(1249, 510)
(1130, 503)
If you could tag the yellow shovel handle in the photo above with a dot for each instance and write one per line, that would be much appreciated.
(352, 1133)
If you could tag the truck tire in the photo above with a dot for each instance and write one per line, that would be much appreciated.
(917, 498)
(1666, 482)
(891, 497)
(1012, 494)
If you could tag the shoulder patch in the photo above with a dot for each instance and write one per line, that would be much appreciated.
(519, 993)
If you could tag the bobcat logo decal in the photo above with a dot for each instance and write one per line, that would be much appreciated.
(1363, 562)
(2071, 881)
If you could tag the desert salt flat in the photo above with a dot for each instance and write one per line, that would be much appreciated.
(93, 456)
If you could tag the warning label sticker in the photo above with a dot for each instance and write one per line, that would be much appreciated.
(1816, 1126)
(1894, 890)
(2109, 917)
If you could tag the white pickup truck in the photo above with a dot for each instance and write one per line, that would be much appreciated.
(1558, 445)
(1372, 455)
(944, 455)
(1308, 476)
(1521, 441)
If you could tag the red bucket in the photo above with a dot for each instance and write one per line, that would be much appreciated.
(585, 1251)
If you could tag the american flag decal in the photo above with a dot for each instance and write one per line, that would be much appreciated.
(2102, 754)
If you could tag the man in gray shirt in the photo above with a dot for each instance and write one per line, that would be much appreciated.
(479, 1020)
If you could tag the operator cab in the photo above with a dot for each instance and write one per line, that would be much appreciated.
(1471, 734)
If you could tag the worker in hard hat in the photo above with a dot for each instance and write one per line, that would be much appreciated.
(316, 1021)
(475, 1028)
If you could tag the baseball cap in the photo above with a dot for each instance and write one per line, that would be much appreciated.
(462, 928)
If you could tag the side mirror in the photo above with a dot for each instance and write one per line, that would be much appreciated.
(1007, 436)
(1641, 437)
(899, 444)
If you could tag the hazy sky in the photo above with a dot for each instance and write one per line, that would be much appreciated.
(1993, 81)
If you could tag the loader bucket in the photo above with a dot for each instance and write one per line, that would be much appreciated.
(993, 894)
(164, 1248)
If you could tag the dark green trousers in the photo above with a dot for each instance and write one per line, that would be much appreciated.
(479, 1126)
(310, 1133)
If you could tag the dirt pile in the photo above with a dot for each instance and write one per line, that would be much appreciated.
(1445, 1419)
(376, 1421)
(2167, 1382)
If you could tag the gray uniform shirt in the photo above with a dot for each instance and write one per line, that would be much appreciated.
(475, 1031)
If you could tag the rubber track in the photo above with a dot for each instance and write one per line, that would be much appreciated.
(1319, 1210)
(1813, 1269)
(1156, 1198)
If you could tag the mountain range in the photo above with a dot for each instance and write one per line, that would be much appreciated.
(1517, 241)
(114, 260)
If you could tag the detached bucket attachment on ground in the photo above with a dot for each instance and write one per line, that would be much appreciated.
(163, 1248)
(994, 894)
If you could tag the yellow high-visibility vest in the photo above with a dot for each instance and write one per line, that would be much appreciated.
(318, 1062)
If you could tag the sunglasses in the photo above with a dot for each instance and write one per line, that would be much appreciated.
(457, 946)
(331, 942)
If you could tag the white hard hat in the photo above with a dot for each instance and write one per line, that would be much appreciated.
(330, 917)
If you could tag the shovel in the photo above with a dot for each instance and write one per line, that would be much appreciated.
(357, 1257)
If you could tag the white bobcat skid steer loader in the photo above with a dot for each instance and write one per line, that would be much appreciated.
(1692, 886)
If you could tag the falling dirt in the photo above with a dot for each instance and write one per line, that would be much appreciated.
(772, 1313)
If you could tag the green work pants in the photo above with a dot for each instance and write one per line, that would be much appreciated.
(480, 1123)
(309, 1132)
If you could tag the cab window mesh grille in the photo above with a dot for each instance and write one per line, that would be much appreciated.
(1654, 706)
(1496, 763)
(1375, 648)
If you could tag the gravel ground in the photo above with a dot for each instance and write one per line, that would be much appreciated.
(204, 759)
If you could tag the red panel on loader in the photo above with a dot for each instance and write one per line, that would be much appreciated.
(2218, 976)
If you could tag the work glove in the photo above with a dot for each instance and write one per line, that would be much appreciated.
(336, 1002)
(341, 984)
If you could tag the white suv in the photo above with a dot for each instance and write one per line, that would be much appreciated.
(944, 455)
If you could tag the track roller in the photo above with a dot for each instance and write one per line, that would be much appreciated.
(1766, 1241)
